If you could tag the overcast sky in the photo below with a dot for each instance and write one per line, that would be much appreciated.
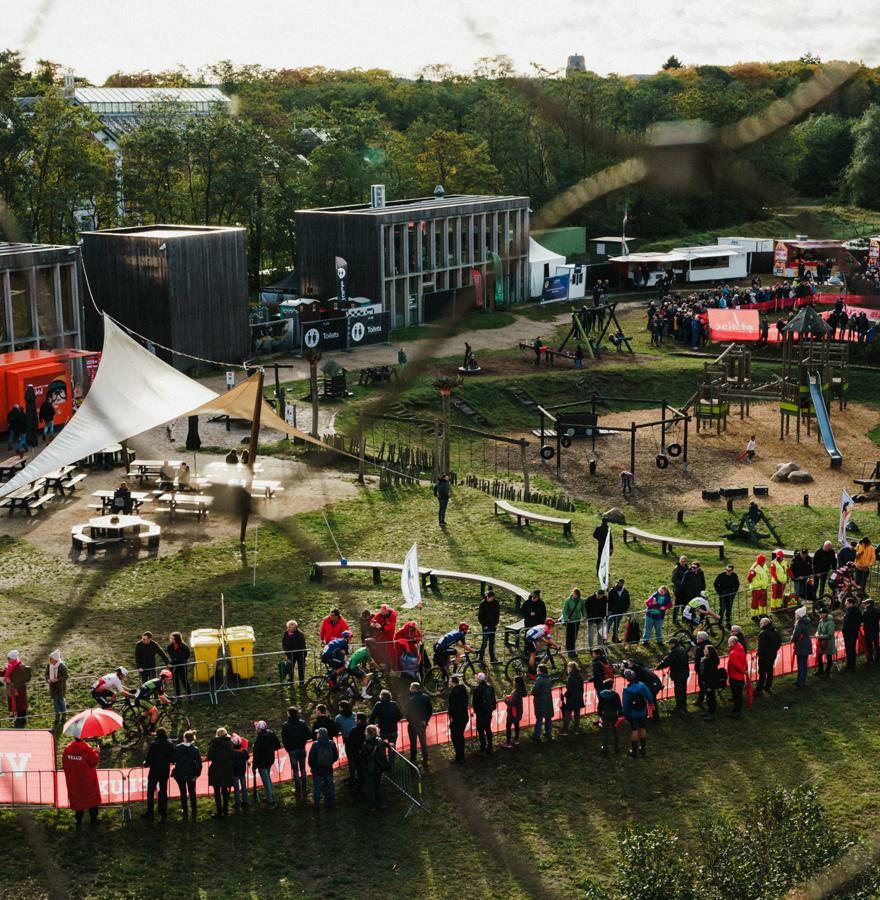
(97, 37)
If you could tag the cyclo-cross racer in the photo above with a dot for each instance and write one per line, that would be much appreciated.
(333, 656)
(150, 690)
(696, 610)
(105, 689)
(360, 664)
(538, 637)
(447, 647)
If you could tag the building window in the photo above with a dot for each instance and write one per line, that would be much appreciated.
(68, 305)
(47, 311)
(399, 258)
(23, 325)
(412, 244)
(451, 241)
(439, 254)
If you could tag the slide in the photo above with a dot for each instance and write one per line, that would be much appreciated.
(824, 422)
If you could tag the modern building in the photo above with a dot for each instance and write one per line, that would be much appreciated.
(576, 63)
(181, 286)
(418, 258)
(39, 297)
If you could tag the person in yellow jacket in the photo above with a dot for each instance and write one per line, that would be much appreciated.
(866, 556)
(759, 581)
(780, 575)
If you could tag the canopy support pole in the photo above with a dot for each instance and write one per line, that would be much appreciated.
(252, 455)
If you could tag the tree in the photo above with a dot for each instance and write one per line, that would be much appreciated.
(825, 145)
(672, 63)
(810, 59)
(863, 173)
(459, 162)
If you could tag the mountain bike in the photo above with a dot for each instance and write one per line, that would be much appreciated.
(136, 726)
(519, 665)
(330, 688)
(717, 633)
(436, 678)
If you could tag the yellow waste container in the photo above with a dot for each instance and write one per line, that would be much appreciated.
(240, 647)
(205, 644)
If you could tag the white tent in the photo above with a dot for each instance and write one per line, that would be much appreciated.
(542, 264)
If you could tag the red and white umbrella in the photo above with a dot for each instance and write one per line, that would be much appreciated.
(92, 723)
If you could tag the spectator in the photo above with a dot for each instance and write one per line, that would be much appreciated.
(488, 614)
(601, 669)
(769, 642)
(542, 703)
(187, 768)
(736, 673)
(346, 722)
(401, 358)
(16, 676)
(846, 554)
(852, 624)
(158, 764)
(737, 632)
(536, 346)
(293, 643)
(183, 477)
(459, 716)
(514, 702)
(484, 703)
(441, 492)
(16, 424)
(871, 629)
(232, 457)
(534, 611)
(801, 570)
(759, 581)
(265, 747)
(693, 582)
(56, 678)
(650, 680)
(826, 644)
(824, 562)
(610, 711)
(866, 556)
(657, 605)
(145, 652)
(356, 739)
(726, 586)
(618, 607)
(596, 608)
(709, 678)
(178, 657)
(323, 720)
(386, 713)
(167, 474)
(678, 588)
(322, 755)
(295, 735)
(802, 644)
(418, 713)
(122, 502)
(220, 772)
(240, 756)
(80, 764)
(780, 576)
(573, 700)
(383, 625)
(47, 414)
(600, 534)
(573, 611)
(374, 763)
(636, 702)
(679, 665)
(332, 626)
(702, 641)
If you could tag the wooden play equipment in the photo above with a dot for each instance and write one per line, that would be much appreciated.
(747, 527)
(590, 324)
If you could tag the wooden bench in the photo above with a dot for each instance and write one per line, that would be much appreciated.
(868, 484)
(375, 567)
(74, 481)
(39, 502)
(88, 543)
(667, 543)
(520, 594)
(523, 515)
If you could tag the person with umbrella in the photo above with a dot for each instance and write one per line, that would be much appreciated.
(80, 764)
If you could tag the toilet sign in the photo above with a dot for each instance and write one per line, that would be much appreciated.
(230, 379)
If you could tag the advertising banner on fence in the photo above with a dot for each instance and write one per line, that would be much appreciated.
(555, 288)
(780, 258)
(325, 335)
(27, 767)
(368, 325)
(734, 325)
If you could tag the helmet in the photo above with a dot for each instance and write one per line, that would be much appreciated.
(550, 623)
(122, 671)
(165, 673)
(463, 626)
(346, 634)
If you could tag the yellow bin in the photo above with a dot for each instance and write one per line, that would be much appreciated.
(205, 644)
(240, 647)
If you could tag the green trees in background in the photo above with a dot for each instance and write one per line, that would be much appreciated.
(308, 137)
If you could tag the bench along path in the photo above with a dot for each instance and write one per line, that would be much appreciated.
(667, 543)
(523, 515)
(429, 576)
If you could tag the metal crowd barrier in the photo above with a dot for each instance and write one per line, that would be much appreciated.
(406, 778)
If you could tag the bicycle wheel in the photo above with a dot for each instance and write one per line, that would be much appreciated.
(176, 722)
(717, 634)
(469, 672)
(317, 689)
(829, 600)
(684, 638)
(435, 681)
(514, 668)
(557, 672)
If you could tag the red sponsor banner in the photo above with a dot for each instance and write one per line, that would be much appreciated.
(734, 325)
(27, 768)
(872, 314)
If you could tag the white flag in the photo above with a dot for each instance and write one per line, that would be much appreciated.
(605, 562)
(410, 585)
(846, 505)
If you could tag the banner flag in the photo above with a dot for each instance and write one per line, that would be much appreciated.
(605, 563)
(846, 505)
(410, 586)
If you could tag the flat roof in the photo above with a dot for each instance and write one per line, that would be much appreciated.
(416, 204)
(615, 240)
(9, 248)
(162, 231)
(149, 95)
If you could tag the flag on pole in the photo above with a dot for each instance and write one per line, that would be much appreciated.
(410, 585)
(624, 250)
(846, 505)
(605, 562)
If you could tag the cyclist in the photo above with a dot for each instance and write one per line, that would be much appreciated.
(538, 637)
(696, 611)
(841, 580)
(447, 647)
(333, 655)
(360, 664)
(105, 689)
(154, 688)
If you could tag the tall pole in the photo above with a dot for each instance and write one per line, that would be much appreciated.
(252, 455)
(525, 468)
(632, 449)
(361, 448)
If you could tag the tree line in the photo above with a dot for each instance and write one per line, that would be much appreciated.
(299, 138)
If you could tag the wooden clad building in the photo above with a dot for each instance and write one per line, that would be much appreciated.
(184, 286)
(416, 256)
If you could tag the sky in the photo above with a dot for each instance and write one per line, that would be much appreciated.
(98, 37)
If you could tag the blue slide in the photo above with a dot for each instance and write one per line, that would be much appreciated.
(824, 422)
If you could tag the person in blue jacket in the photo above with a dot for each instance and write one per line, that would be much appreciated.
(637, 701)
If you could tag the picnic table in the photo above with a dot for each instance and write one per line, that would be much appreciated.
(185, 502)
(234, 470)
(61, 480)
(267, 488)
(29, 498)
(103, 531)
(144, 468)
(111, 455)
(106, 497)
(10, 466)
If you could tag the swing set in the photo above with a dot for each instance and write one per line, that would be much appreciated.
(589, 319)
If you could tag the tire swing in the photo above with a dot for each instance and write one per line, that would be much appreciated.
(662, 460)
(565, 439)
(674, 450)
(547, 452)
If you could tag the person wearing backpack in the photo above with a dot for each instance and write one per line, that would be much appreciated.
(602, 669)
(484, 702)
(374, 763)
(573, 701)
(322, 755)
(16, 676)
(637, 700)
(610, 710)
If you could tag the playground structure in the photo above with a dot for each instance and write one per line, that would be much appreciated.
(747, 527)
(563, 422)
(590, 320)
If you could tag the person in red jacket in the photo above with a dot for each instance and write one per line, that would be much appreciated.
(407, 641)
(736, 672)
(332, 626)
(80, 764)
(382, 625)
